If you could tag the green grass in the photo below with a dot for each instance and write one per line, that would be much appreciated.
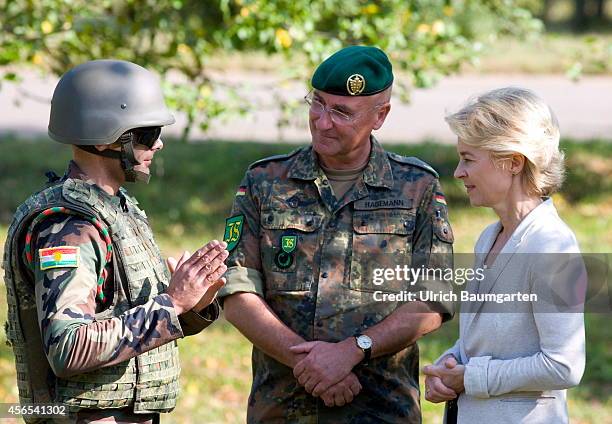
(190, 195)
(193, 185)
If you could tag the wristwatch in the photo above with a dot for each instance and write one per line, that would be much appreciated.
(365, 344)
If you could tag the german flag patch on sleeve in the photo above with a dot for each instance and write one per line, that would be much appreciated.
(439, 198)
(59, 257)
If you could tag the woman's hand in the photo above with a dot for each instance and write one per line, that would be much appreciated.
(443, 379)
(436, 391)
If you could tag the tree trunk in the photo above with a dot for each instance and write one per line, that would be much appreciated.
(546, 11)
(580, 18)
(601, 6)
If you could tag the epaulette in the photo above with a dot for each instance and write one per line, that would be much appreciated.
(413, 161)
(275, 158)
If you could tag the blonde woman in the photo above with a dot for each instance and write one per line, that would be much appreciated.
(511, 367)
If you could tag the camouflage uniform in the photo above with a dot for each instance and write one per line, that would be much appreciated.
(93, 343)
(395, 214)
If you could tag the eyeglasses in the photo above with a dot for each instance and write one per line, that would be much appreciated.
(147, 136)
(337, 116)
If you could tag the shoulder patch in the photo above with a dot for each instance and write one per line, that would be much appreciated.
(241, 191)
(275, 158)
(58, 257)
(62, 210)
(233, 231)
(64, 258)
(439, 198)
(413, 161)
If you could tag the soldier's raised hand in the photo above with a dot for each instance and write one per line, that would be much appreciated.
(197, 279)
(173, 264)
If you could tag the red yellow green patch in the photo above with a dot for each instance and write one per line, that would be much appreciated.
(59, 257)
(439, 197)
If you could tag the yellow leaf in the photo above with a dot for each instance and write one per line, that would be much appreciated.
(37, 59)
(46, 27)
(244, 12)
(370, 9)
(438, 27)
(448, 10)
(283, 38)
(423, 28)
(205, 91)
(183, 49)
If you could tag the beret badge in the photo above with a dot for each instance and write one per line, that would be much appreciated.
(355, 84)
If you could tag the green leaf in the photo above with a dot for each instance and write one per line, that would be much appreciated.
(10, 76)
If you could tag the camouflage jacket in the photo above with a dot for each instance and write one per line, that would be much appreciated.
(81, 329)
(312, 256)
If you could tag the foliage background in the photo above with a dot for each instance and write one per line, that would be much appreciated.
(426, 40)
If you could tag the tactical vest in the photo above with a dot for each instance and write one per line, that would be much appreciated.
(148, 382)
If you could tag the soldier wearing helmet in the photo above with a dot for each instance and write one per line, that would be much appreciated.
(94, 310)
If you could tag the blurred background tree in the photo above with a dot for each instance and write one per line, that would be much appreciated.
(577, 15)
(426, 39)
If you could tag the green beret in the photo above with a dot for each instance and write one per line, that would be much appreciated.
(354, 71)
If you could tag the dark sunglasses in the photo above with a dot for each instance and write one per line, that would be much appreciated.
(146, 136)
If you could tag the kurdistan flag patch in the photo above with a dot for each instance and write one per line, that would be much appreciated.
(59, 257)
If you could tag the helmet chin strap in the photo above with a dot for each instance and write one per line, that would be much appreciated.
(126, 157)
(129, 161)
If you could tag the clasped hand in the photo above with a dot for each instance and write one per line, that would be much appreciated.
(443, 382)
(325, 370)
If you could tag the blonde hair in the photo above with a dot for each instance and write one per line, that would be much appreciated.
(512, 120)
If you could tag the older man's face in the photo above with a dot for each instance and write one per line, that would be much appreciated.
(332, 137)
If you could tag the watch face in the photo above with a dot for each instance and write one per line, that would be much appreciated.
(364, 342)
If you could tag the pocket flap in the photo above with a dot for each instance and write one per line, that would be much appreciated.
(281, 219)
(383, 222)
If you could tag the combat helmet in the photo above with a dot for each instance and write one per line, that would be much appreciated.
(108, 101)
